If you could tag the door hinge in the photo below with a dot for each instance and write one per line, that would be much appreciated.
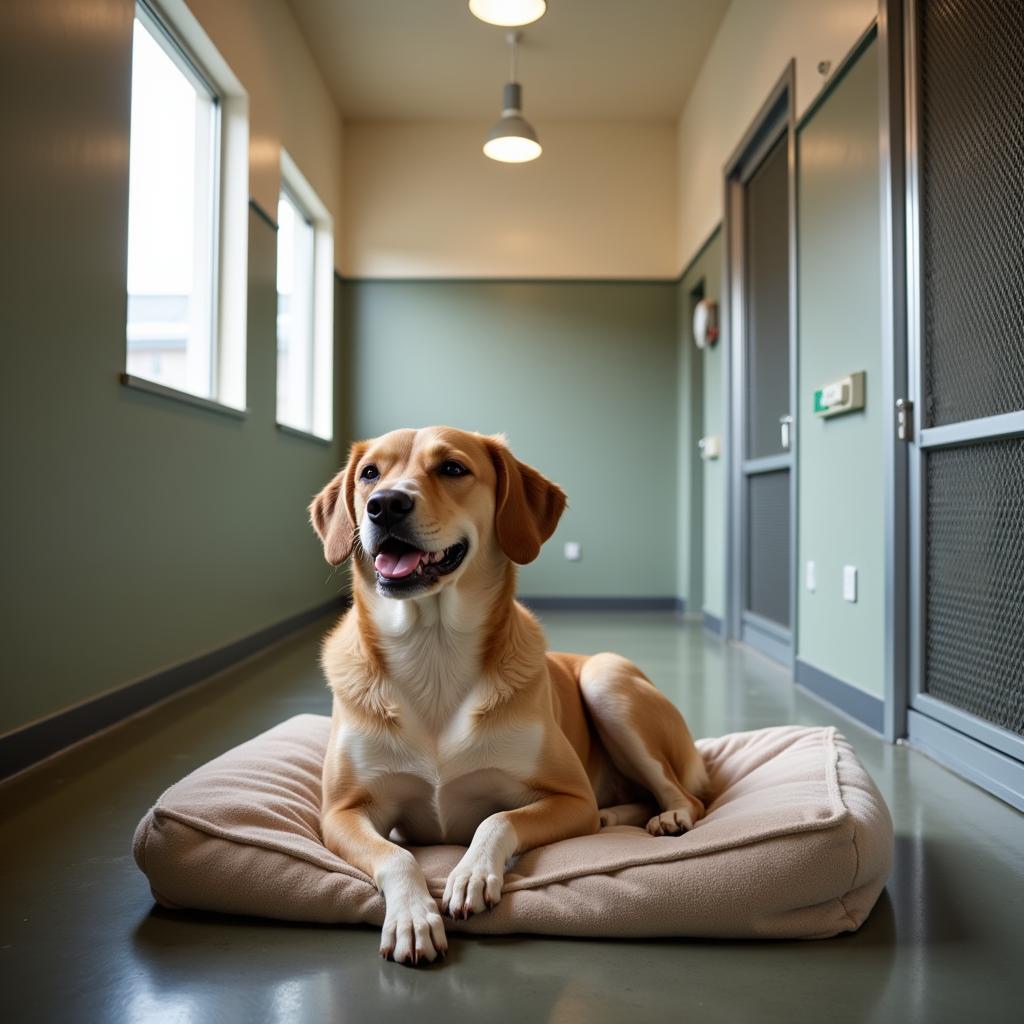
(904, 419)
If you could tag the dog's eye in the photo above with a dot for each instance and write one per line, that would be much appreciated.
(452, 468)
(369, 473)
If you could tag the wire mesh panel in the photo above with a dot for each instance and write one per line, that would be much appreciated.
(974, 563)
(971, 84)
(768, 555)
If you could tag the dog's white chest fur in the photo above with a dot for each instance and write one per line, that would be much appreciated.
(443, 769)
(439, 789)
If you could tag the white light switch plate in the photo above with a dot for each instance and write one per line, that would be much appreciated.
(811, 577)
(573, 550)
(849, 583)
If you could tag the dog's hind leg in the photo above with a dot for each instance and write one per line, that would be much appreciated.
(647, 740)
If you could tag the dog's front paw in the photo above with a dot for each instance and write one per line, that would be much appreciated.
(413, 931)
(473, 886)
(673, 822)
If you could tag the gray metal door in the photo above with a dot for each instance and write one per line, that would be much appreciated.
(966, 377)
(760, 211)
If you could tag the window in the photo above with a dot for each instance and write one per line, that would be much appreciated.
(305, 307)
(185, 326)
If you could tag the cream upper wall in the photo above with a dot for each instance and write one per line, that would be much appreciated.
(755, 41)
(289, 103)
(421, 200)
(632, 199)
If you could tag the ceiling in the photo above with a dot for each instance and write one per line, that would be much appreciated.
(585, 59)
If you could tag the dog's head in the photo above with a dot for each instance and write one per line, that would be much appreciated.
(426, 504)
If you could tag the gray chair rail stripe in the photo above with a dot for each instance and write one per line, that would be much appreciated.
(604, 604)
(23, 747)
(864, 707)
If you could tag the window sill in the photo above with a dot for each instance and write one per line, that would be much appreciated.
(305, 435)
(151, 386)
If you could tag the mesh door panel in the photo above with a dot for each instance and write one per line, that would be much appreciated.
(768, 545)
(974, 618)
(972, 206)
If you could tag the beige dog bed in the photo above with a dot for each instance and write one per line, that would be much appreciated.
(797, 843)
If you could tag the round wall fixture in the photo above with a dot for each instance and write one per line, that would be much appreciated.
(705, 323)
(509, 13)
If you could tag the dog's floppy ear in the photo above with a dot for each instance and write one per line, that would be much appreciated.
(527, 505)
(332, 512)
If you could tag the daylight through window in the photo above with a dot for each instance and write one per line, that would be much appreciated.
(172, 215)
(305, 306)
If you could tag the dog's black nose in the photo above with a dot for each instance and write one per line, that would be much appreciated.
(385, 508)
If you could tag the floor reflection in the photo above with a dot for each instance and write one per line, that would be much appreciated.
(81, 941)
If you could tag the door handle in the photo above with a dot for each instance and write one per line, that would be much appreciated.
(905, 419)
(786, 429)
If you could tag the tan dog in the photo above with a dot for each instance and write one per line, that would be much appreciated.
(451, 723)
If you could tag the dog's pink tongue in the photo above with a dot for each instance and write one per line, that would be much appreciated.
(394, 567)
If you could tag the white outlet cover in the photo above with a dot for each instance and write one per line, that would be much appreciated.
(850, 583)
(811, 577)
(573, 550)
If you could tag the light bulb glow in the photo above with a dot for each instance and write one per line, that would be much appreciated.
(508, 13)
(512, 149)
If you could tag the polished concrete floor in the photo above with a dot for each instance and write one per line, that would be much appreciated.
(81, 941)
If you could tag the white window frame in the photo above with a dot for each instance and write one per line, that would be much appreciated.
(195, 55)
(321, 368)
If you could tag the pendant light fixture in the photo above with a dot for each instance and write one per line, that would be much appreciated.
(512, 140)
(508, 13)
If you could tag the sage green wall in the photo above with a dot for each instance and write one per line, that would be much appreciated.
(701, 496)
(841, 480)
(138, 531)
(581, 376)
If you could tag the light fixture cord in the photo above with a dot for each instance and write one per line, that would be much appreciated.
(513, 42)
